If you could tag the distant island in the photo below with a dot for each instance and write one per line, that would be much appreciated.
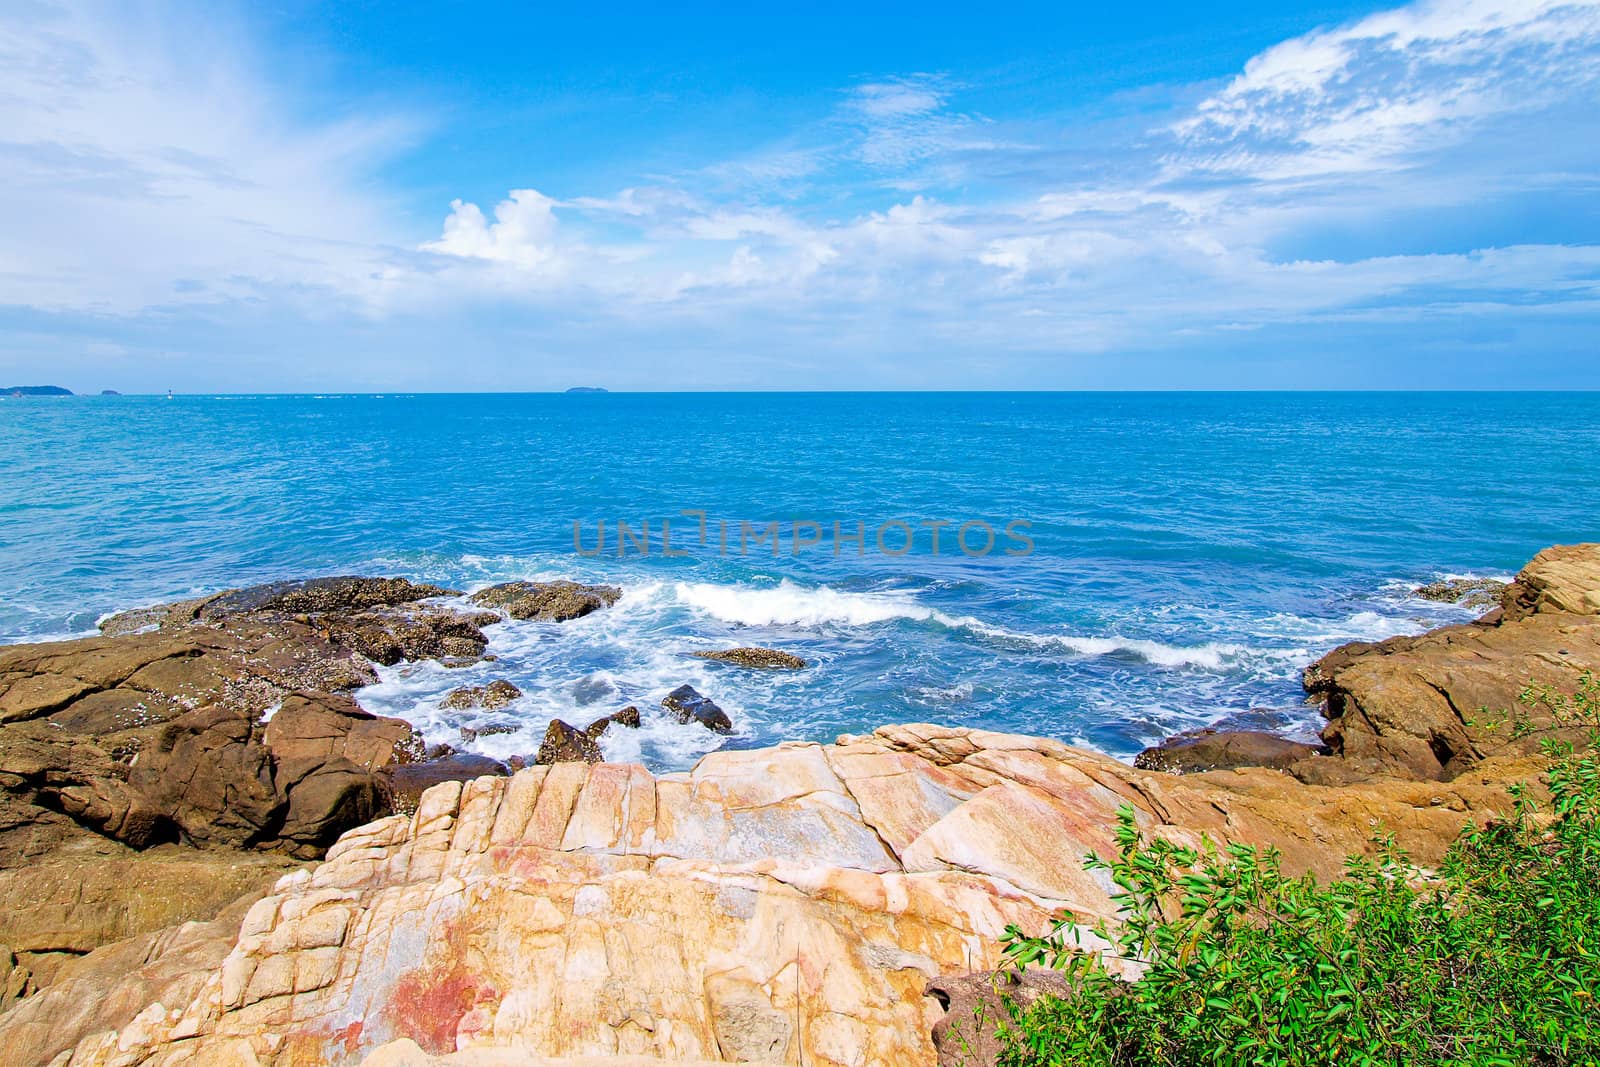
(109, 392)
(587, 389)
(36, 390)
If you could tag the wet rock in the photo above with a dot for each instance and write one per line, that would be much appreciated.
(565, 743)
(760, 658)
(413, 634)
(345, 595)
(688, 705)
(341, 595)
(380, 619)
(628, 716)
(491, 729)
(497, 694)
(1213, 750)
(549, 601)
(408, 781)
(1468, 592)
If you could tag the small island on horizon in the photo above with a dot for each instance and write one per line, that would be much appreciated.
(587, 389)
(36, 390)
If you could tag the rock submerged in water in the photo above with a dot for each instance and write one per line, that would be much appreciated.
(1217, 750)
(497, 694)
(1482, 593)
(688, 705)
(547, 601)
(628, 716)
(759, 658)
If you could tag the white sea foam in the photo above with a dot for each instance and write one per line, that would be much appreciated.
(789, 604)
(794, 605)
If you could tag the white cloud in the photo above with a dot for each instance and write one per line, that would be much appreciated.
(146, 170)
(145, 163)
(523, 233)
(1374, 92)
(916, 95)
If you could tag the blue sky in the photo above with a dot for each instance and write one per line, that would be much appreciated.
(372, 196)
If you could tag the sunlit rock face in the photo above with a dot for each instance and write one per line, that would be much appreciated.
(780, 905)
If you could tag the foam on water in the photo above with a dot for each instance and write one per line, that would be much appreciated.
(1193, 552)
(788, 603)
(932, 664)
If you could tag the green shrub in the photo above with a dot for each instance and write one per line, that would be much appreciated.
(1492, 959)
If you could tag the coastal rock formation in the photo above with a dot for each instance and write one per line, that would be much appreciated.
(689, 705)
(1214, 750)
(1468, 592)
(759, 658)
(565, 743)
(547, 601)
(1434, 705)
(497, 694)
(777, 905)
(782, 905)
(408, 781)
(222, 722)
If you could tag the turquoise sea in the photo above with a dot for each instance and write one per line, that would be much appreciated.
(1190, 553)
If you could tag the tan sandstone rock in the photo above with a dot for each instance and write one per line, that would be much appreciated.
(780, 905)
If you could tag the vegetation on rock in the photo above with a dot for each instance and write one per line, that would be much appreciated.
(1492, 959)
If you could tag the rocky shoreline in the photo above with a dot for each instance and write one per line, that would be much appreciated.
(163, 786)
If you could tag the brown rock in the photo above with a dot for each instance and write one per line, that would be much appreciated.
(408, 781)
(1212, 750)
(975, 1005)
(497, 694)
(628, 716)
(759, 658)
(548, 601)
(1434, 705)
(1468, 592)
(1563, 579)
(565, 743)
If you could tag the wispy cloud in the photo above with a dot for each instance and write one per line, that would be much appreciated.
(146, 163)
(139, 177)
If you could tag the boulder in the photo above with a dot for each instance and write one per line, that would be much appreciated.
(1435, 705)
(1212, 750)
(408, 781)
(1468, 592)
(497, 694)
(565, 743)
(548, 601)
(488, 729)
(688, 705)
(628, 716)
(759, 658)
(414, 633)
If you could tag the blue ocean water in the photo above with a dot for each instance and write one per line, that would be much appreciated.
(1190, 553)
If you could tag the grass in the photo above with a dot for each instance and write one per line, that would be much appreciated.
(1492, 959)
